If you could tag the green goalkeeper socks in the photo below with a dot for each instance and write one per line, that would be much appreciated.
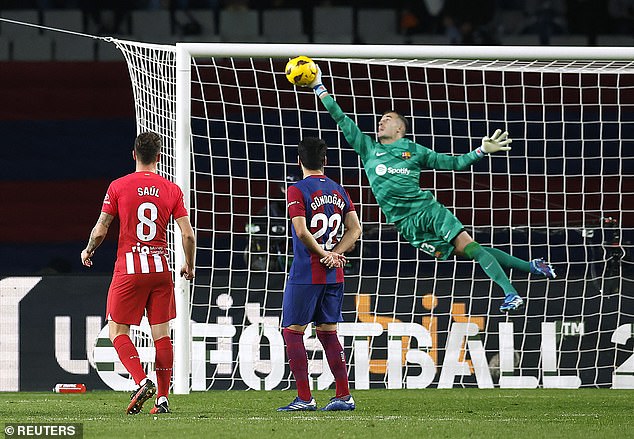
(490, 265)
(508, 261)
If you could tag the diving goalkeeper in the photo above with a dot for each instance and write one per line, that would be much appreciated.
(393, 165)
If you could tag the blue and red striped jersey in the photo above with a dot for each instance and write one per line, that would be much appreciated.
(324, 204)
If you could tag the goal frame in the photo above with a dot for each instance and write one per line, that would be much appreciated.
(186, 51)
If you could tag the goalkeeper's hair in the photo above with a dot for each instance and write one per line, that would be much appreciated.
(312, 153)
(147, 147)
(402, 118)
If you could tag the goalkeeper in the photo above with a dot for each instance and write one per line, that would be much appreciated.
(393, 165)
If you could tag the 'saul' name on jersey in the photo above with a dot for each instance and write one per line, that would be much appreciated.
(327, 199)
(152, 191)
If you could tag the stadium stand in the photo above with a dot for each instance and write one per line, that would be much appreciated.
(511, 23)
(196, 25)
(12, 31)
(69, 19)
(70, 48)
(153, 26)
(34, 48)
(368, 31)
(333, 24)
(4, 49)
(240, 25)
(291, 32)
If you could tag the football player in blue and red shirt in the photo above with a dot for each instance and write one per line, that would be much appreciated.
(320, 210)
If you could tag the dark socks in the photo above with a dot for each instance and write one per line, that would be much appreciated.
(336, 360)
(298, 361)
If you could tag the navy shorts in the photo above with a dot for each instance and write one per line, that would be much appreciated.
(303, 304)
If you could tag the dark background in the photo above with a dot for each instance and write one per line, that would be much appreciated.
(67, 128)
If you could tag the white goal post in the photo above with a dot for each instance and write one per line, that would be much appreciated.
(231, 123)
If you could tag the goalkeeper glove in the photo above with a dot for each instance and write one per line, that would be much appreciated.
(497, 142)
(316, 85)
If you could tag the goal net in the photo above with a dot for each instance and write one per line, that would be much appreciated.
(231, 123)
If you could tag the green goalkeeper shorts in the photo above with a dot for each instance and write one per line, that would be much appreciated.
(431, 230)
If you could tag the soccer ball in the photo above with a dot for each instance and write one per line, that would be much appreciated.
(301, 71)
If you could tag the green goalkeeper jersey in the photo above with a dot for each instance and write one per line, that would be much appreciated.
(393, 169)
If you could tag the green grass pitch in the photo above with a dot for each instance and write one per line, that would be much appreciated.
(427, 413)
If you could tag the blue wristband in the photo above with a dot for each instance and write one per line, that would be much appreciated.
(319, 89)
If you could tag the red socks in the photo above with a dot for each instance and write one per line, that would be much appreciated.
(129, 356)
(163, 365)
(336, 360)
(298, 361)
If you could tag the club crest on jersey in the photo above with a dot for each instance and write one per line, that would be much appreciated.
(406, 155)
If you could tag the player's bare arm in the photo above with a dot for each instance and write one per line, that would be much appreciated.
(97, 235)
(189, 247)
(304, 235)
(352, 232)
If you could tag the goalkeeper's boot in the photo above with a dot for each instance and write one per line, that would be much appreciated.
(139, 396)
(160, 407)
(512, 302)
(539, 266)
(299, 405)
(340, 404)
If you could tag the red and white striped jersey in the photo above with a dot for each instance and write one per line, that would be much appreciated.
(137, 262)
(144, 202)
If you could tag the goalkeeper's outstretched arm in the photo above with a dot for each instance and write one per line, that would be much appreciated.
(359, 141)
(446, 162)
(499, 141)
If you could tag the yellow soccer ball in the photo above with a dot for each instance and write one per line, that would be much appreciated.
(301, 71)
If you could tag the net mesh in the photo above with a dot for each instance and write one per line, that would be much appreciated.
(563, 193)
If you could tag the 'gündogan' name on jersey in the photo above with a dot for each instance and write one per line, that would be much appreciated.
(327, 199)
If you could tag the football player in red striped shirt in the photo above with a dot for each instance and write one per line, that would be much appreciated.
(142, 279)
